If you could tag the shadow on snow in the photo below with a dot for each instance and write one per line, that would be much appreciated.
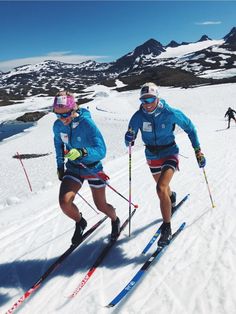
(25, 273)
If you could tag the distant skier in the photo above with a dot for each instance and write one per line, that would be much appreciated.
(156, 121)
(77, 138)
(230, 113)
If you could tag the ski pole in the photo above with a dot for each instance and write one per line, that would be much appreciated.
(87, 202)
(129, 188)
(183, 156)
(113, 189)
(24, 171)
(212, 203)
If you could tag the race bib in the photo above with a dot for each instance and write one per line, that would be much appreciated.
(64, 138)
(147, 127)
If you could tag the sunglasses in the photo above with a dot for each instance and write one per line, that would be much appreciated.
(63, 115)
(147, 100)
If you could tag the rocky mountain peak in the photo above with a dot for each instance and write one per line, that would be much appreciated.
(150, 46)
(133, 59)
(172, 44)
(230, 38)
(203, 38)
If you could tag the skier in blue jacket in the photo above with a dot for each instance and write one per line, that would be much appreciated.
(156, 121)
(77, 138)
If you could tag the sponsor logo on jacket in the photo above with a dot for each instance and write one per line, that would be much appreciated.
(147, 126)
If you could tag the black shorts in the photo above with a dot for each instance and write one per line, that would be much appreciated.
(93, 181)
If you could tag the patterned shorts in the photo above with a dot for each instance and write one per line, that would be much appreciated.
(158, 165)
(93, 181)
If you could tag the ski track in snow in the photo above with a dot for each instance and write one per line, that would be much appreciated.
(195, 275)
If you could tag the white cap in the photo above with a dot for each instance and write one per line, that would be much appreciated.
(149, 89)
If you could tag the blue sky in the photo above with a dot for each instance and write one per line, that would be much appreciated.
(74, 31)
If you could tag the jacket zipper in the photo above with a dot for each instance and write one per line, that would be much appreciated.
(154, 130)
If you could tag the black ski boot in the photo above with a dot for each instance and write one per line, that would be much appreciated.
(166, 235)
(79, 229)
(173, 202)
(115, 229)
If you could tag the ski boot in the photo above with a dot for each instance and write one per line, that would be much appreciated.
(79, 229)
(166, 235)
(173, 202)
(115, 229)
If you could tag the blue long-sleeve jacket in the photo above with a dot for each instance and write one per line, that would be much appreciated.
(80, 133)
(157, 129)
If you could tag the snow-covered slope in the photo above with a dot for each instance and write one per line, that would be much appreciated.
(197, 273)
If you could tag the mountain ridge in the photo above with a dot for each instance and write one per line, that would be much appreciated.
(205, 61)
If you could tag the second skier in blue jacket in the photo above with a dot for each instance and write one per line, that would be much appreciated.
(156, 121)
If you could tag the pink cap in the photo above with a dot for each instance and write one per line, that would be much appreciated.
(64, 101)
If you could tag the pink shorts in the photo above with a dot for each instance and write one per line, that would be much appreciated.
(158, 165)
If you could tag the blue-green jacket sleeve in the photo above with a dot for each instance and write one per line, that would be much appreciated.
(59, 146)
(186, 124)
(96, 146)
(134, 124)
